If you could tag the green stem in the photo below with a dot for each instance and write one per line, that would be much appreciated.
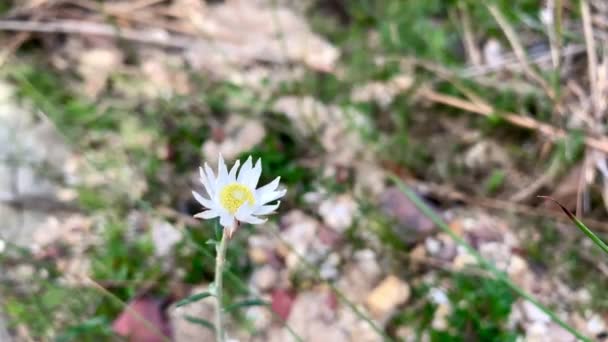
(219, 271)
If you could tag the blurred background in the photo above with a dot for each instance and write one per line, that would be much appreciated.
(107, 108)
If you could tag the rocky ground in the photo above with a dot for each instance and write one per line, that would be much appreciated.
(101, 139)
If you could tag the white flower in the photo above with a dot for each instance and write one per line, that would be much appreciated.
(234, 198)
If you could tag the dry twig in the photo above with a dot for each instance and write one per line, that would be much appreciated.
(151, 36)
(552, 133)
(591, 56)
(446, 192)
(469, 37)
(519, 50)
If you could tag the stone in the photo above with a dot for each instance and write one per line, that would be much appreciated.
(239, 134)
(164, 237)
(185, 331)
(329, 268)
(282, 301)
(359, 276)
(338, 212)
(313, 319)
(259, 316)
(440, 318)
(265, 278)
(387, 296)
(95, 67)
(301, 235)
(33, 166)
(260, 249)
(412, 225)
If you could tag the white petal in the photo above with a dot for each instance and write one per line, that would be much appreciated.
(244, 215)
(268, 187)
(207, 214)
(254, 175)
(269, 196)
(245, 210)
(206, 183)
(226, 220)
(245, 171)
(222, 178)
(266, 209)
(210, 175)
(232, 174)
(207, 203)
(252, 219)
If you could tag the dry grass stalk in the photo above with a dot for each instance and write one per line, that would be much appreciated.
(552, 133)
(519, 50)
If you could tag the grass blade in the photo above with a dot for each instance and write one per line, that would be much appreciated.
(433, 216)
(246, 303)
(203, 322)
(193, 298)
(601, 244)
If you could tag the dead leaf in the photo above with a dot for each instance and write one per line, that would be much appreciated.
(143, 320)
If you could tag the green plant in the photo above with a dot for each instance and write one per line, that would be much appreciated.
(480, 310)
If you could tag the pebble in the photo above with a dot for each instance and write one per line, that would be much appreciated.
(387, 296)
(338, 212)
(265, 278)
(413, 225)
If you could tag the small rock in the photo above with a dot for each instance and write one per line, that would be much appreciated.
(313, 319)
(387, 296)
(258, 255)
(265, 278)
(382, 93)
(164, 237)
(338, 212)
(438, 296)
(485, 155)
(329, 268)
(440, 318)
(186, 331)
(95, 67)
(463, 259)
(496, 252)
(358, 329)
(433, 246)
(359, 276)
(492, 53)
(282, 301)
(595, 325)
(143, 320)
(300, 233)
(517, 267)
(241, 134)
(370, 178)
(259, 316)
(534, 314)
(260, 249)
(413, 225)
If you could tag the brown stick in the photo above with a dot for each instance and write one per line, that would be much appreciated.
(155, 37)
(552, 133)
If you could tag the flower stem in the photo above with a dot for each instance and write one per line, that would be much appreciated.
(219, 271)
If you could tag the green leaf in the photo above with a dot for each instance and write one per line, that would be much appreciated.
(203, 322)
(494, 181)
(84, 328)
(601, 244)
(246, 303)
(193, 298)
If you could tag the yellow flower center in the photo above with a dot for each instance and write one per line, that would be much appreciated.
(234, 195)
